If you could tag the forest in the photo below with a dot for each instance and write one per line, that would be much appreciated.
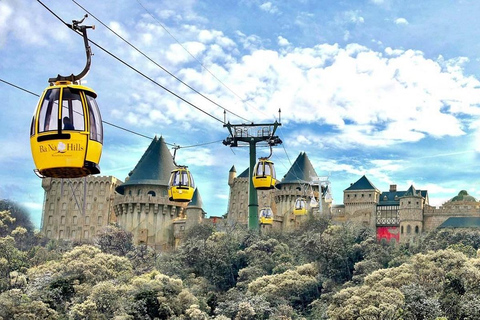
(320, 271)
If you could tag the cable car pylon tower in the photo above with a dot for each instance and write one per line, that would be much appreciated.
(252, 134)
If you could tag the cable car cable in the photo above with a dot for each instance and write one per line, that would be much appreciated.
(245, 101)
(134, 69)
(114, 125)
(158, 65)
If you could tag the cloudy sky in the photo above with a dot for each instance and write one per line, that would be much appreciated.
(384, 88)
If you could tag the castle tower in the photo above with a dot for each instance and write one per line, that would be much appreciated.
(142, 206)
(77, 209)
(411, 214)
(297, 183)
(360, 200)
(192, 216)
(237, 213)
(194, 213)
(232, 174)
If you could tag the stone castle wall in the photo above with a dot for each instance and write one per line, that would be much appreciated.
(77, 209)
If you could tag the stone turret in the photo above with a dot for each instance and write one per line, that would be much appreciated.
(360, 201)
(232, 174)
(411, 214)
(142, 206)
(297, 183)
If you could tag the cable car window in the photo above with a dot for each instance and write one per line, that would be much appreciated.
(259, 170)
(176, 178)
(273, 171)
(266, 213)
(96, 128)
(48, 117)
(72, 110)
(267, 169)
(192, 183)
(184, 180)
(32, 126)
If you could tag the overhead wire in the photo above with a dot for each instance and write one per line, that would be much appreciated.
(243, 100)
(134, 69)
(131, 67)
(157, 64)
(114, 125)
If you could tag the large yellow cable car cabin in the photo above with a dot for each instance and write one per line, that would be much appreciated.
(300, 208)
(181, 185)
(66, 134)
(264, 175)
(266, 216)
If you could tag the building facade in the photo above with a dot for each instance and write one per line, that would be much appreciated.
(301, 181)
(400, 215)
(77, 209)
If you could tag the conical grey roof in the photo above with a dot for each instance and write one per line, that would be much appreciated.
(154, 168)
(362, 184)
(196, 200)
(302, 171)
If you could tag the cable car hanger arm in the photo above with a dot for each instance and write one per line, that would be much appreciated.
(75, 26)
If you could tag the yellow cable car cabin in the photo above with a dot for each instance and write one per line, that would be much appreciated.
(264, 175)
(181, 185)
(300, 207)
(66, 134)
(266, 215)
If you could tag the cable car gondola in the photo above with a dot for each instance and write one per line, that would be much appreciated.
(181, 185)
(264, 175)
(266, 216)
(66, 134)
(300, 208)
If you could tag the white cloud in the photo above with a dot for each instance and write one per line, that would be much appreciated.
(269, 7)
(21, 18)
(401, 21)
(283, 42)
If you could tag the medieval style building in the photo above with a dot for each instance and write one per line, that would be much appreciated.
(78, 209)
(301, 181)
(398, 215)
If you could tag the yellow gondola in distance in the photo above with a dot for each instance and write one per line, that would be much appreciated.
(264, 175)
(66, 133)
(266, 216)
(300, 208)
(181, 185)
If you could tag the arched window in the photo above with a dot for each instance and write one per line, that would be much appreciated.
(401, 229)
(416, 229)
(409, 229)
(151, 193)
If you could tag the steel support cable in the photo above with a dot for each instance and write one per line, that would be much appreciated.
(245, 101)
(114, 125)
(134, 69)
(158, 65)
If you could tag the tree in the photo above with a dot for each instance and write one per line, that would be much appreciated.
(427, 286)
(299, 287)
(114, 240)
(335, 251)
(16, 305)
(58, 283)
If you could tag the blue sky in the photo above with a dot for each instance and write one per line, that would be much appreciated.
(389, 89)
